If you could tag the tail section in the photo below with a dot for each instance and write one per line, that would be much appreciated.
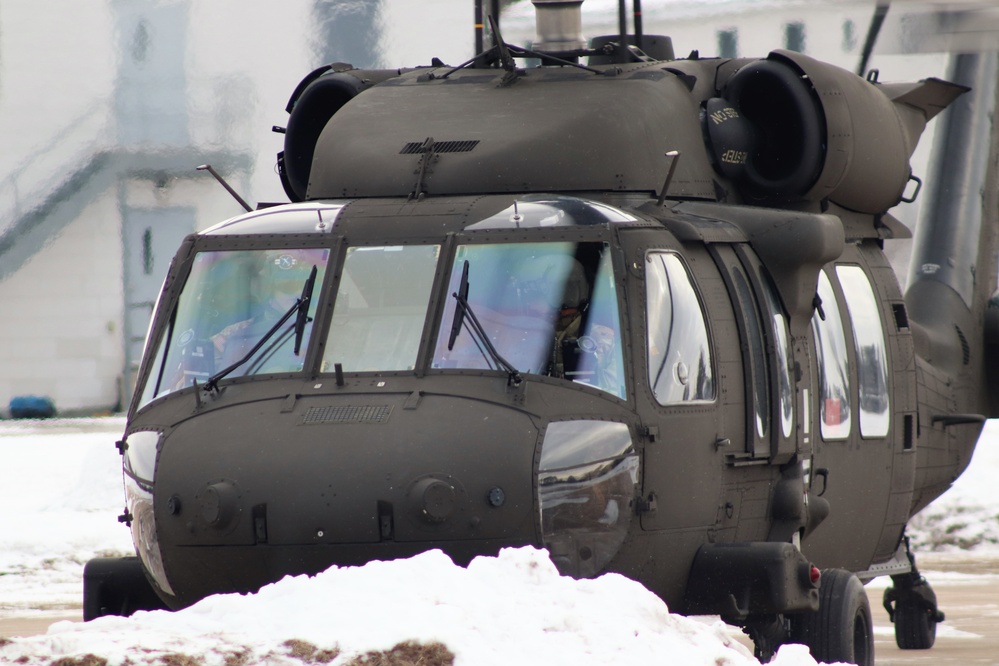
(952, 276)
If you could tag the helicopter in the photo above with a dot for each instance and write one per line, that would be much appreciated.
(630, 308)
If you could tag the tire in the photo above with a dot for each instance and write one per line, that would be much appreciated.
(914, 629)
(842, 629)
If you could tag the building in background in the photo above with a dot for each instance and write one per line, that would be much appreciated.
(109, 106)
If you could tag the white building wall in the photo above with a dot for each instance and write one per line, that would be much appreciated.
(62, 312)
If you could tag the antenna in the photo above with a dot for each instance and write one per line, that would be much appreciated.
(674, 156)
(209, 169)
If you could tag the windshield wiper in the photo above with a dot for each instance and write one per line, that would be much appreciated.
(301, 305)
(303, 309)
(459, 312)
(464, 316)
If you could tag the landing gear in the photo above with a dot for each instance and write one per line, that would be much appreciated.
(912, 606)
(116, 586)
(841, 629)
(768, 634)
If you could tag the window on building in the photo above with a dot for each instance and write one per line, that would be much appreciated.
(849, 36)
(728, 43)
(794, 36)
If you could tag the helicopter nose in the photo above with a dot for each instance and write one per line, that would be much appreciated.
(247, 494)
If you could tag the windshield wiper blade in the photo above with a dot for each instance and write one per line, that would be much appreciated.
(463, 315)
(213, 381)
(459, 312)
(303, 309)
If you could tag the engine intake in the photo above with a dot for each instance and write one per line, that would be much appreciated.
(817, 131)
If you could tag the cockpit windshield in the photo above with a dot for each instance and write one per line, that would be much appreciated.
(231, 299)
(547, 308)
(380, 309)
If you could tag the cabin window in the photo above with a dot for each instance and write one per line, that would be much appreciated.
(834, 366)
(758, 380)
(872, 356)
(230, 302)
(679, 352)
(782, 355)
(380, 308)
(546, 308)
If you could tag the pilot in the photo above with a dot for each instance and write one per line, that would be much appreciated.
(555, 288)
(279, 283)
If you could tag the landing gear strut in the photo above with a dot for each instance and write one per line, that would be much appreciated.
(912, 606)
(768, 634)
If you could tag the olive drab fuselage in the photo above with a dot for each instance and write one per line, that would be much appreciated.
(639, 315)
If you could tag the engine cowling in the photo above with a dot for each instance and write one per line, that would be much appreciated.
(817, 131)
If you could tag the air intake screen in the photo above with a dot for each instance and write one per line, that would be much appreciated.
(348, 414)
(416, 147)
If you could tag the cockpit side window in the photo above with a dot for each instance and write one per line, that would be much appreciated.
(834, 367)
(679, 350)
(871, 350)
(547, 308)
(230, 301)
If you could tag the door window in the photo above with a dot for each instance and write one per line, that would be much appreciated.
(872, 356)
(679, 351)
(834, 366)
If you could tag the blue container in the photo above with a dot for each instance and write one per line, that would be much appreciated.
(32, 407)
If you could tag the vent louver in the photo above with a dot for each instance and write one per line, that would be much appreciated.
(416, 147)
(348, 414)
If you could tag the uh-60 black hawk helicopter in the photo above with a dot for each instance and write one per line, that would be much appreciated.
(634, 311)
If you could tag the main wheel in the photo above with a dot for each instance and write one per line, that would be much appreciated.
(841, 629)
(915, 629)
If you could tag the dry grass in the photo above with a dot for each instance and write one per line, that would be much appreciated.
(178, 659)
(85, 660)
(241, 658)
(407, 653)
(309, 653)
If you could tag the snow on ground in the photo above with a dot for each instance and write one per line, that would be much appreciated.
(60, 493)
(966, 516)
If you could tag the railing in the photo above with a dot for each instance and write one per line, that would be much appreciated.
(40, 176)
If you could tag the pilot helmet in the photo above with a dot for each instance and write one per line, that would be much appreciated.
(553, 281)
